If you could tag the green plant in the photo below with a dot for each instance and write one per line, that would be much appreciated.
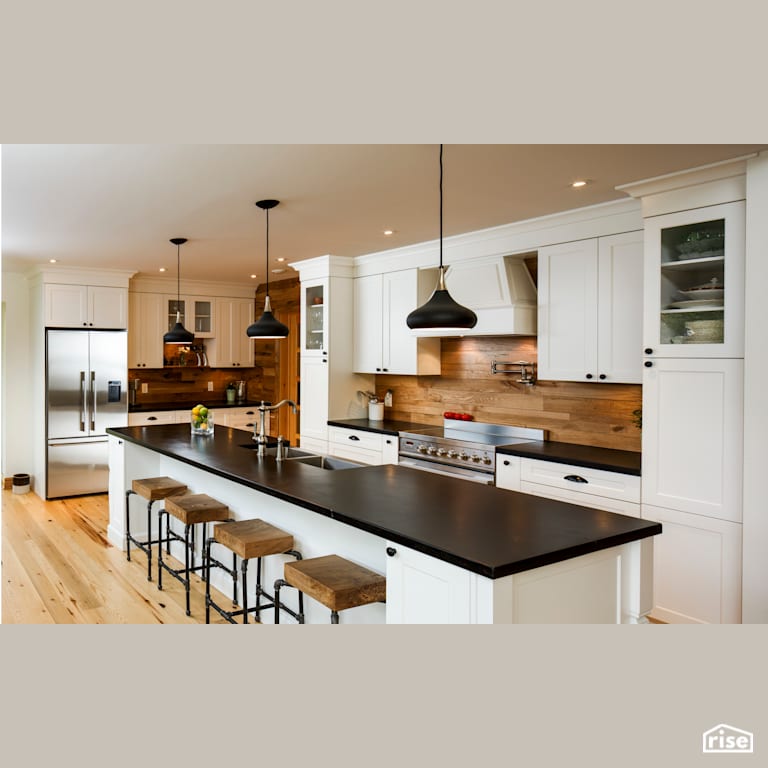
(231, 385)
(637, 418)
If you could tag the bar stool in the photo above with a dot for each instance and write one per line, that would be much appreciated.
(333, 581)
(191, 510)
(152, 489)
(247, 539)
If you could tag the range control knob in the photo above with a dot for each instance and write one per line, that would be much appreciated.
(476, 459)
(422, 448)
(441, 451)
(453, 455)
(464, 457)
(431, 451)
(487, 460)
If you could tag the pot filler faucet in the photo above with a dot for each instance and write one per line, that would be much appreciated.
(261, 436)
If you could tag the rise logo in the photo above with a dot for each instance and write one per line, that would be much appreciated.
(726, 738)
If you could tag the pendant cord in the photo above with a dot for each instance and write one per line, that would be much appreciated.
(441, 207)
(267, 284)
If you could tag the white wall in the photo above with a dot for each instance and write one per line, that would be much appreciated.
(755, 520)
(16, 404)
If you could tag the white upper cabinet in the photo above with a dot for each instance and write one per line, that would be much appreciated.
(145, 330)
(694, 282)
(85, 306)
(383, 343)
(231, 347)
(591, 310)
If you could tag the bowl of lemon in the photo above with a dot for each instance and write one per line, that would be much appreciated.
(201, 420)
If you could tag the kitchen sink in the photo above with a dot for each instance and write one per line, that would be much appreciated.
(327, 462)
(288, 452)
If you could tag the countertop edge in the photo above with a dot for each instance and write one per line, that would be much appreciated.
(570, 455)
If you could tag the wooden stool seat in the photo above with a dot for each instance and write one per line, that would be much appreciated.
(196, 508)
(335, 582)
(252, 538)
(247, 539)
(152, 489)
(155, 488)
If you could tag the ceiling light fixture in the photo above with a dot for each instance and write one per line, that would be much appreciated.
(389, 231)
(441, 312)
(267, 326)
(579, 183)
(178, 334)
(162, 269)
(52, 261)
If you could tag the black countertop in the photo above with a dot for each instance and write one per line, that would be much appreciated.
(176, 405)
(608, 459)
(384, 427)
(483, 529)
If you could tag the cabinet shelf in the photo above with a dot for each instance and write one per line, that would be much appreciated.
(686, 265)
(691, 311)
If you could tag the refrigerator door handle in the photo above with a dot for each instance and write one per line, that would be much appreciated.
(93, 401)
(82, 401)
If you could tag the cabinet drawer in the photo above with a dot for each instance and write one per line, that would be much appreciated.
(151, 417)
(355, 454)
(567, 477)
(606, 503)
(373, 441)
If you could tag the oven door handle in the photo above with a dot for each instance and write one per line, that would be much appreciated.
(423, 466)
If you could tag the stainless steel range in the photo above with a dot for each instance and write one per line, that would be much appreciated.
(465, 449)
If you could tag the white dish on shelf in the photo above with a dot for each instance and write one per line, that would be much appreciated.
(700, 303)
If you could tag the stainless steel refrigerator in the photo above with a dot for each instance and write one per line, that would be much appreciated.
(86, 373)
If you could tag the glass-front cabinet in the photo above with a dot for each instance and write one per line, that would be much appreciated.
(694, 282)
(195, 314)
(314, 318)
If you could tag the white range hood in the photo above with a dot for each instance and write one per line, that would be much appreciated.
(501, 292)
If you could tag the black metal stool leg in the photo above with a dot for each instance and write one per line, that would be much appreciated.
(128, 495)
(208, 582)
(234, 579)
(244, 569)
(258, 587)
(279, 583)
(149, 541)
(160, 546)
(186, 562)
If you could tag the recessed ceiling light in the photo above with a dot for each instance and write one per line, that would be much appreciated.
(253, 277)
(162, 269)
(52, 261)
(278, 270)
(579, 183)
(389, 231)
(281, 259)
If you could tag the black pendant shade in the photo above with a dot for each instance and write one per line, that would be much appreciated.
(441, 312)
(178, 334)
(267, 326)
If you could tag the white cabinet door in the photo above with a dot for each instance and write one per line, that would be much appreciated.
(424, 590)
(567, 320)
(591, 310)
(368, 324)
(714, 325)
(314, 398)
(145, 330)
(383, 343)
(85, 306)
(620, 308)
(692, 436)
(508, 472)
(231, 347)
(697, 568)
(314, 317)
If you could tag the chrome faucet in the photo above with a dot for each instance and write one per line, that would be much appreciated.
(260, 437)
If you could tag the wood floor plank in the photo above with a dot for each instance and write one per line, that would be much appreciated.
(59, 567)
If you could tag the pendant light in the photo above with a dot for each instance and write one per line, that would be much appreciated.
(178, 334)
(267, 326)
(441, 314)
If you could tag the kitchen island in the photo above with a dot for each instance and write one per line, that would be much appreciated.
(452, 551)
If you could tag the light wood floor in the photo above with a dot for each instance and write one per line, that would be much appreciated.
(59, 568)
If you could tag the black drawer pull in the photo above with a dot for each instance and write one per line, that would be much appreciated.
(354, 437)
(391, 551)
(647, 363)
(575, 479)
(648, 351)
(151, 418)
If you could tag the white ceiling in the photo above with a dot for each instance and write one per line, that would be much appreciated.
(116, 206)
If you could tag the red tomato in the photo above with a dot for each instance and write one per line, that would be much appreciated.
(466, 417)
(450, 415)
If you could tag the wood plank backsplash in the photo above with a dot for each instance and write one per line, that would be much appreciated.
(573, 412)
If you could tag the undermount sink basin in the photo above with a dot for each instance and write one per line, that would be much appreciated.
(327, 462)
(288, 452)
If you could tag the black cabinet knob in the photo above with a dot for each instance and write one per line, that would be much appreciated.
(601, 376)
(506, 462)
(385, 369)
(391, 551)
(648, 351)
(354, 437)
(151, 418)
(589, 375)
(378, 369)
(647, 363)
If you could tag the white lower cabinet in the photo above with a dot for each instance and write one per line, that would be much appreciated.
(424, 590)
(361, 445)
(147, 418)
(697, 568)
(508, 472)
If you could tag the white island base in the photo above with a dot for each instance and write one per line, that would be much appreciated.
(599, 587)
